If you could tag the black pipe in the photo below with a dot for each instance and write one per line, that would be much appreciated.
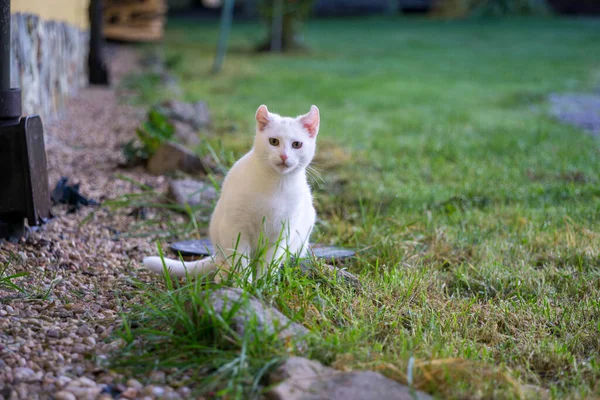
(96, 63)
(4, 45)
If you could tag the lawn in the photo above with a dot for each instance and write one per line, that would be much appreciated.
(477, 216)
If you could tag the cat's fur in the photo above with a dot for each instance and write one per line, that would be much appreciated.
(264, 198)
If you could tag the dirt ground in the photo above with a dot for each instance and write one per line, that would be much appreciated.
(55, 337)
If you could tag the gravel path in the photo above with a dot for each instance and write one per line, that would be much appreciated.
(54, 339)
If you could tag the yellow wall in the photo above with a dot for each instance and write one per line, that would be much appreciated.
(74, 12)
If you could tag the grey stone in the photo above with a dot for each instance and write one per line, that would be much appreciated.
(171, 157)
(313, 270)
(192, 192)
(251, 312)
(331, 253)
(303, 379)
(196, 114)
(185, 133)
(204, 247)
(24, 374)
(579, 109)
(201, 247)
(64, 395)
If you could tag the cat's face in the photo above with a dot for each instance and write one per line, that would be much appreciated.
(286, 144)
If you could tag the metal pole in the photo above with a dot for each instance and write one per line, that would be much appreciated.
(226, 17)
(4, 45)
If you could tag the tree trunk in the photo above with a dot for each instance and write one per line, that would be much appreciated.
(291, 37)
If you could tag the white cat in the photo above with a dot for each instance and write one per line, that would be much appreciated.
(265, 201)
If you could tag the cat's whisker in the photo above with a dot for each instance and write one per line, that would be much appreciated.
(314, 176)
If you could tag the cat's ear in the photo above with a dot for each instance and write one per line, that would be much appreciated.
(262, 117)
(311, 121)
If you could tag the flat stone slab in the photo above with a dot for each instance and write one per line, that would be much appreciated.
(299, 378)
(201, 247)
(578, 109)
(204, 247)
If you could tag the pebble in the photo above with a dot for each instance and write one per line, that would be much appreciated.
(89, 341)
(78, 348)
(130, 393)
(64, 395)
(23, 374)
(63, 380)
(52, 333)
(84, 330)
(83, 382)
(157, 391)
(132, 383)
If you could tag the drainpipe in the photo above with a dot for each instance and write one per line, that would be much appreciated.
(10, 99)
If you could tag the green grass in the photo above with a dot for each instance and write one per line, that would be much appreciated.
(476, 214)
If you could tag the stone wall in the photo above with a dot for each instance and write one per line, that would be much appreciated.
(48, 62)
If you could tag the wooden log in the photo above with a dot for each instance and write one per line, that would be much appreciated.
(134, 20)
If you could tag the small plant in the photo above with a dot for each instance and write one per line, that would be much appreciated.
(153, 132)
(8, 281)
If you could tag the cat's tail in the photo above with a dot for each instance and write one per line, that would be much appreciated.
(180, 268)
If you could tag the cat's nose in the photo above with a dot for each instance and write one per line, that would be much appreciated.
(284, 157)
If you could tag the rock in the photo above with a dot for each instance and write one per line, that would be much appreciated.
(53, 333)
(202, 247)
(301, 369)
(23, 374)
(250, 310)
(185, 133)
(196, 114)
(63, 381)
(157, 392)
(78, 348)
(331, 253)
(133, 383)
(314, 271)
(83, 382)
(84, 330)
(64, 395)
(84, 393)
(301, 378)
(89, 341)
(192, 192)
(171, 157)
(130, 393)
(578, 109)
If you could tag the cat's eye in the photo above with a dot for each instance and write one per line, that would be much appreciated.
(274, 142)
(297, 145)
